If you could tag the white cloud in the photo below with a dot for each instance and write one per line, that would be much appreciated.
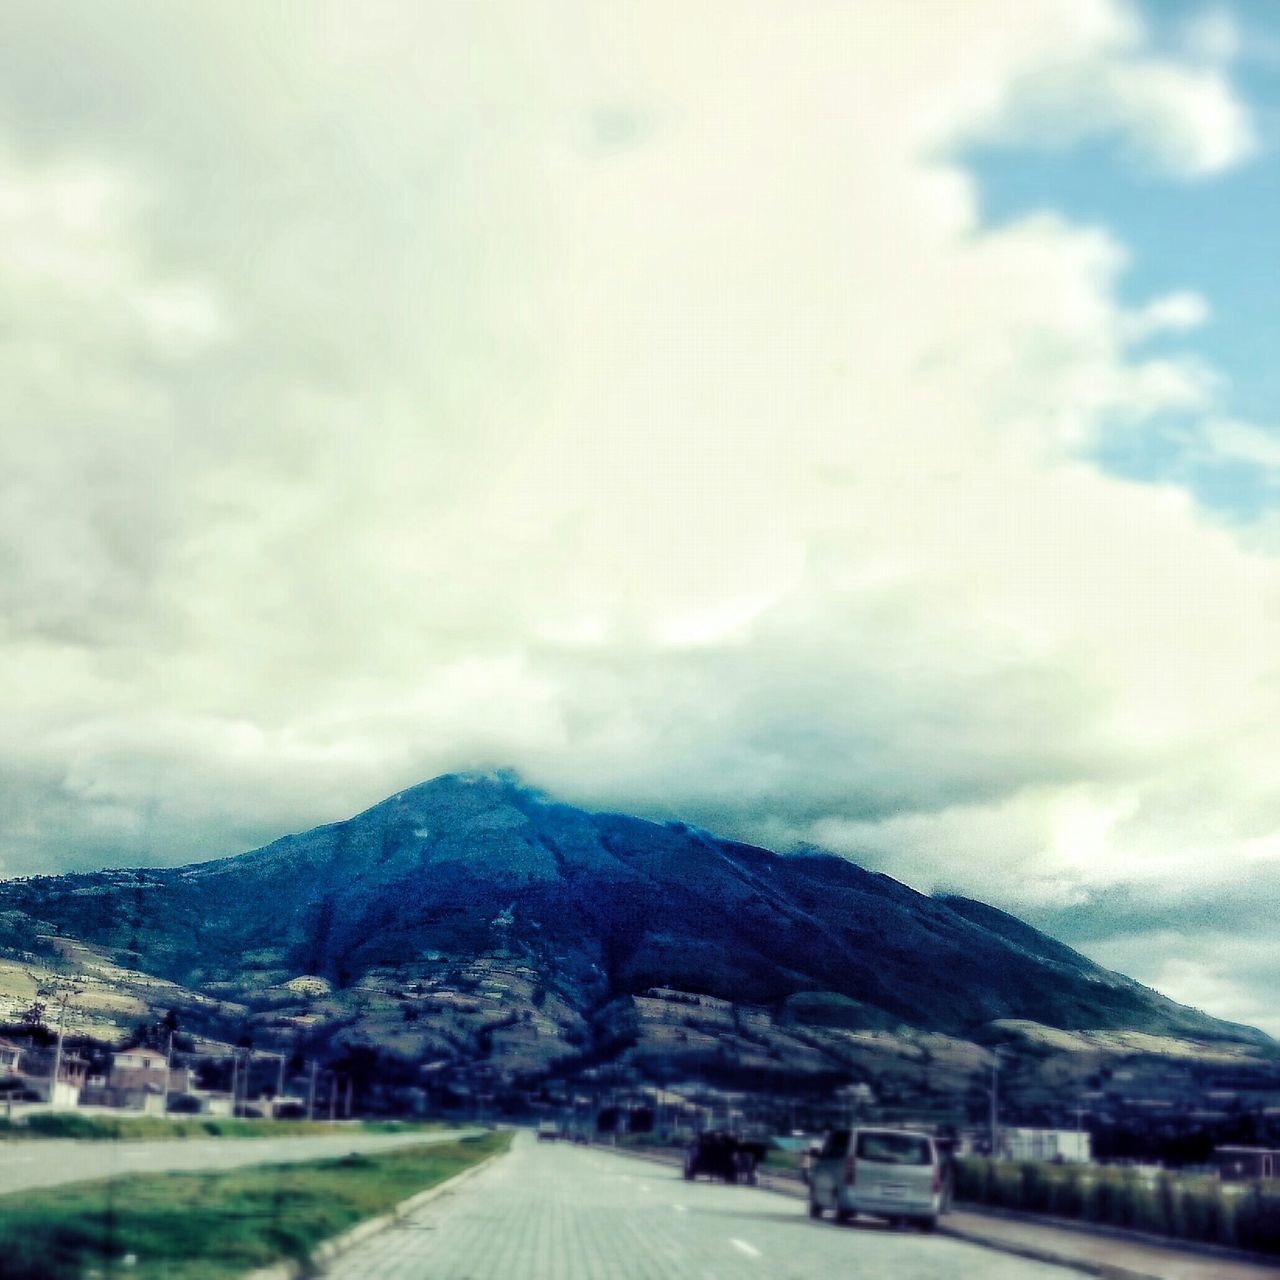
(1212, 36)
(1210, 978)
(428, 388)
(1244, 442)
(1178, 312)
(1093, 74)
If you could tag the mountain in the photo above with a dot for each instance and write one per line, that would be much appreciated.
(380, 912)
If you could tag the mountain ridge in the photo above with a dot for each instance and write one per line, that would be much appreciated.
(601, 905)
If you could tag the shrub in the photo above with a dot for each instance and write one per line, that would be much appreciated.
(1185, 1207)
(1257, 1219)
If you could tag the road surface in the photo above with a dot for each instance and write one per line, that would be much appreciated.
(51, 1162)
(550, 1211)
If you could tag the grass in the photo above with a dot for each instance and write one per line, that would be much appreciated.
(777, 1160)
(213, 1226)
(136, 1128)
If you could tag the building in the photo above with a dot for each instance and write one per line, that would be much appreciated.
(37, 1076)
(1239, 1164)
(142, 1080)
(10, 1058)
(1051, 1146)
(139, 1080)
(12, 1085)
(138, 1066)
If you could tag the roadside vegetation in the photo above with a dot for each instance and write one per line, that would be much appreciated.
(1189, 1207)
(207, 1226)
(136, 1128)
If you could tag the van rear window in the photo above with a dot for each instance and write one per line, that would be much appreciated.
(894, 1148)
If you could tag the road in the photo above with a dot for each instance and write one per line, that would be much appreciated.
(49, 1163)
(549, 1211)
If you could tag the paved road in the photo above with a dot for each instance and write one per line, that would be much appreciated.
(51, 1162)
(549, 1211)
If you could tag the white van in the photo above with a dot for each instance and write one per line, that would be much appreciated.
(891, 1173)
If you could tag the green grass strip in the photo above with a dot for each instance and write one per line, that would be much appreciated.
(136, 1128)
(211, 1226)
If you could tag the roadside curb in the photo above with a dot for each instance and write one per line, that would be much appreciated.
(330, 1249)
(1123, 1235)
(1105, 1271)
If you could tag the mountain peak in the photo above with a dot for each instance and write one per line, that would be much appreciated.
(604, 906)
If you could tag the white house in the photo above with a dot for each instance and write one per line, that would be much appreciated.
(1058, 1146)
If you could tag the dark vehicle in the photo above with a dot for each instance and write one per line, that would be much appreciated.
(548, 1131)
(721, 1155)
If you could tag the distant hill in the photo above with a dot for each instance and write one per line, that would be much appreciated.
(589, 908)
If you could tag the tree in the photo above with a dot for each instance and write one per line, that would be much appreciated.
(32, 1017)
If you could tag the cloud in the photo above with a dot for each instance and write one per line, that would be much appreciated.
(1096, 77)
(635, 397)
(1225, 975)
(1212, 36)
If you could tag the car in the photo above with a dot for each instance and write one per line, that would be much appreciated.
(548, 1131)
(889, 1173)
(721, 1155)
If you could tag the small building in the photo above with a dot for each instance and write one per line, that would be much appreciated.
(138, 1080)
(10, 1058)
(12, 1085)
(1052, 1146)
(64, 1091)
(1241, 1164)
(144, 1061)
(138, 1071)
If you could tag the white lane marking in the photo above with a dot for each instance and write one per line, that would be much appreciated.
(679, 1208)
(749, 1249)
(645, 1187)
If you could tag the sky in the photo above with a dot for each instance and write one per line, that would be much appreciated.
(849, 426)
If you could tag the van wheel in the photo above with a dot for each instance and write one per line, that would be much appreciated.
(844, 1215)
(815, 1209)
(927, 1224)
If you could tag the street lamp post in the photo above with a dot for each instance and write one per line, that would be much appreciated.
(168, 1066)
(995, 1102)
(57, 1054)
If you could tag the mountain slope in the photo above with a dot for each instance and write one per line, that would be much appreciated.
(599, 906)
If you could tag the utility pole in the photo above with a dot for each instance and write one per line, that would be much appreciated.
(1081, 1110)
(168, 1066)
(280, 1083)
(57, 1053)
(311, 1092)
(235, 1081)
(246, 1079)
(995, 1102)
(333, 1096)
(349, 1091)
